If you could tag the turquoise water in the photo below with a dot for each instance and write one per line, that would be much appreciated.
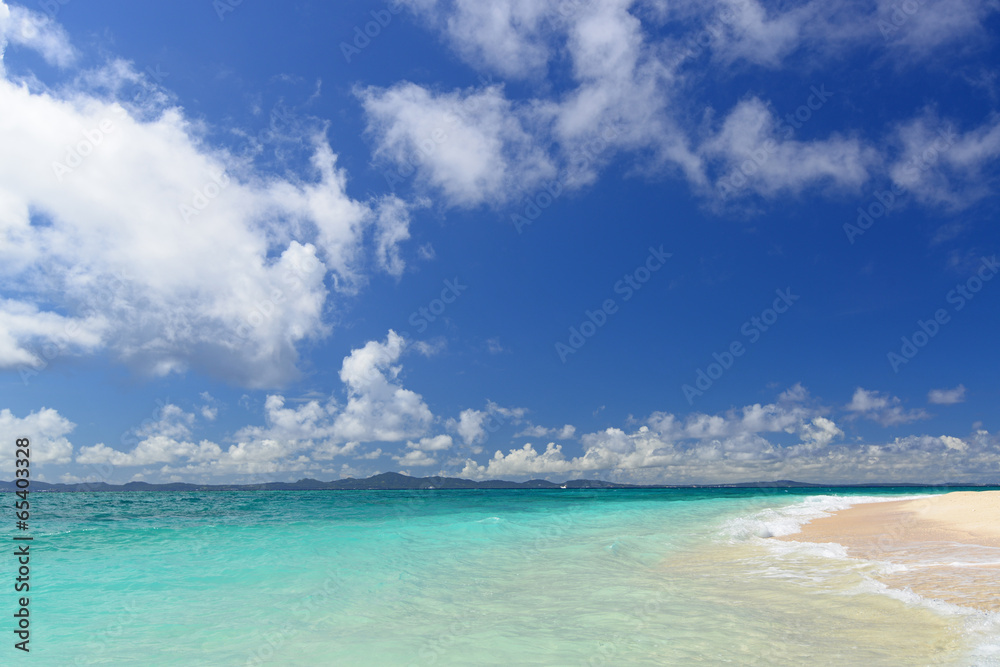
(501, 577)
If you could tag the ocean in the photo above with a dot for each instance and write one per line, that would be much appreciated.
(477, 577)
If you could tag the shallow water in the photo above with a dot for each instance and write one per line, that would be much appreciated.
(650, 577)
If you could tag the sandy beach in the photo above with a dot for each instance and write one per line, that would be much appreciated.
(948, 545)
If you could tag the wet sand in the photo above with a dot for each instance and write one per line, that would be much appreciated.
(949, 544)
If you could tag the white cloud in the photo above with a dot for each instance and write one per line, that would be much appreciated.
(787, 439)
(751, 32)
(533, 431)
(163, 440)
(415, 457)
(957, 444)
(669, 447)
(821, 432)
(940, 166)
(378, 407)
(474, 426)
(392, 227)
(46, 430)
(155, 449)
(920, 29)
(24, 27)
(647, 456)
(635, 72)
(884, 409)
(254, 454)
(81, 165)
(438, 443)
(471, 145)
(521, 462)
(506, 36)
(754, 158)
(946, 396)
(30, 337)
(470, 426)
(307, 422)
(422, 453)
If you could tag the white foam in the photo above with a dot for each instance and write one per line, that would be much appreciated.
(982, 627)
(789, 520)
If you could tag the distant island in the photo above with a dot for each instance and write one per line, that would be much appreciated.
(392, 481)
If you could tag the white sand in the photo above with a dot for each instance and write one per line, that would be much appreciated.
(950, 544)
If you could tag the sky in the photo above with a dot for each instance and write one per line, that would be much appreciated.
(646, 241)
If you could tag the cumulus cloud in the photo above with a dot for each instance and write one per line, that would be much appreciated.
(533, 431)
(475, 426)
(746, 445)
(392, 227)
(163, 440)
(415, 457)
(672, 447)
(820, 432)
(943, 167)
(24, 27)
(882, 408)
(753, 157)
(470, 426)
(506, 36)
(422, 452)
(634, 71)
(946, 396)
(46, 430)
(378, 409)
(921, 29)
(438, 443)
(83, 165)
(791, 438)
(471, 146)
(29, 336)
(522, 462)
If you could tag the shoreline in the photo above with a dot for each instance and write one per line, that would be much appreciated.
(942, 547)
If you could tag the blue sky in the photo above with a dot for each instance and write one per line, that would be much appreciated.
(644, 241)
